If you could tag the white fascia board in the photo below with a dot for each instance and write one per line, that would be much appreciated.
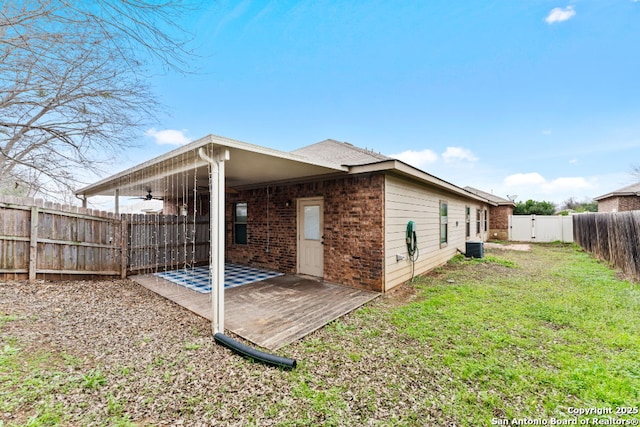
(401, 168)
(112, 182)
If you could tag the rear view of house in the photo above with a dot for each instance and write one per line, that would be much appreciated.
(329, 210)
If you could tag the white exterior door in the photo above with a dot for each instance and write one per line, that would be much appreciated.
(310, 237)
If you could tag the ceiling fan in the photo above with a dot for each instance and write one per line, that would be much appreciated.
(149, 196)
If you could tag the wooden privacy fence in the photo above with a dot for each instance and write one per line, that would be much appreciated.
(46, 240)
(614, 237)
(39, 239)
(165, 242)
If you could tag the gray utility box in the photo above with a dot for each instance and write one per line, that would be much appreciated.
(475, 250)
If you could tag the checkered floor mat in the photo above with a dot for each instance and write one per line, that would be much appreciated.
(197, 278)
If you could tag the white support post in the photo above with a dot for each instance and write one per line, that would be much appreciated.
(117, 201)
(217, 224)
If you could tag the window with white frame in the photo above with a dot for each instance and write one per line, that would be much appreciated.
(486, 220)
(467, 221)
(444, 223)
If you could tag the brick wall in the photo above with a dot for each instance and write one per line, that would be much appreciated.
(609, 204)
(619, 204)
(629, 203)
(353, 228)
(499, 222)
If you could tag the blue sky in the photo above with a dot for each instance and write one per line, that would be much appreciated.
(535, 98)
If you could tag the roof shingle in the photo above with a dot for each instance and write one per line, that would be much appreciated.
(341, 153)
(629, 190)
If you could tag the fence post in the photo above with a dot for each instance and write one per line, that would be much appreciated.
(533, 227)
(33, 245)
(124, 247)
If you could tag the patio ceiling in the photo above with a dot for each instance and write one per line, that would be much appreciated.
(179, 171)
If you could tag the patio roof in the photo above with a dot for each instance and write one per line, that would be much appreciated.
(182, 169)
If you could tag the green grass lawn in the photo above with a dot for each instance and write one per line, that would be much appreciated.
(531, 336)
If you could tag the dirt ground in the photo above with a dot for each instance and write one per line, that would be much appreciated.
(162, 367)
(508, 247)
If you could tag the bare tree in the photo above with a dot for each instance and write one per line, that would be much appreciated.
(635, 172)
(73, 87)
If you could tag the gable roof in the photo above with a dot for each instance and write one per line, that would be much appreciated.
(629, 190)
(489, 196)
(341, 153)
(361, 160)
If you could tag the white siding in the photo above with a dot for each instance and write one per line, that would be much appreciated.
(408, 201)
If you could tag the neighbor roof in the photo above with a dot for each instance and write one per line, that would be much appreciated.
(489, 196)
(629, 190)
(341, 153)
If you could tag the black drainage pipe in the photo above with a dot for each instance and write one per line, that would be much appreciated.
(252, 353)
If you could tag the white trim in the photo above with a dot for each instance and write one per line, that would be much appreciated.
(400, 168)
(216, 158)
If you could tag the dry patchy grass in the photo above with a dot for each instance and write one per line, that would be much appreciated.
(519, 334)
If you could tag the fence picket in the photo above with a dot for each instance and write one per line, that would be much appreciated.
(612, 236)
(38, 237)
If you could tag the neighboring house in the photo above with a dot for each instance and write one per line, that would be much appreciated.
(330, 210)
(623, 199)
(498, 214)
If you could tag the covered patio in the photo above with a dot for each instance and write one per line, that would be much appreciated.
(270, 313)
(192, 181)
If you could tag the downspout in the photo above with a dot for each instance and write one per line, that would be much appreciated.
(216, 267)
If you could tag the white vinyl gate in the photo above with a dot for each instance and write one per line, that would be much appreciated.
(540, 228)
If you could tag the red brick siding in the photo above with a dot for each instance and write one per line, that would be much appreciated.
(608, 205)
(499, 222)
(629, 203)
(619, 204)
(353, 228)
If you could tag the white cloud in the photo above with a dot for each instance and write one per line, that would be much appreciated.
(419, 159)
(567, 183)
(557, 185)
(559, 14)
(168, 136)
(453, 154)
(520, 179)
